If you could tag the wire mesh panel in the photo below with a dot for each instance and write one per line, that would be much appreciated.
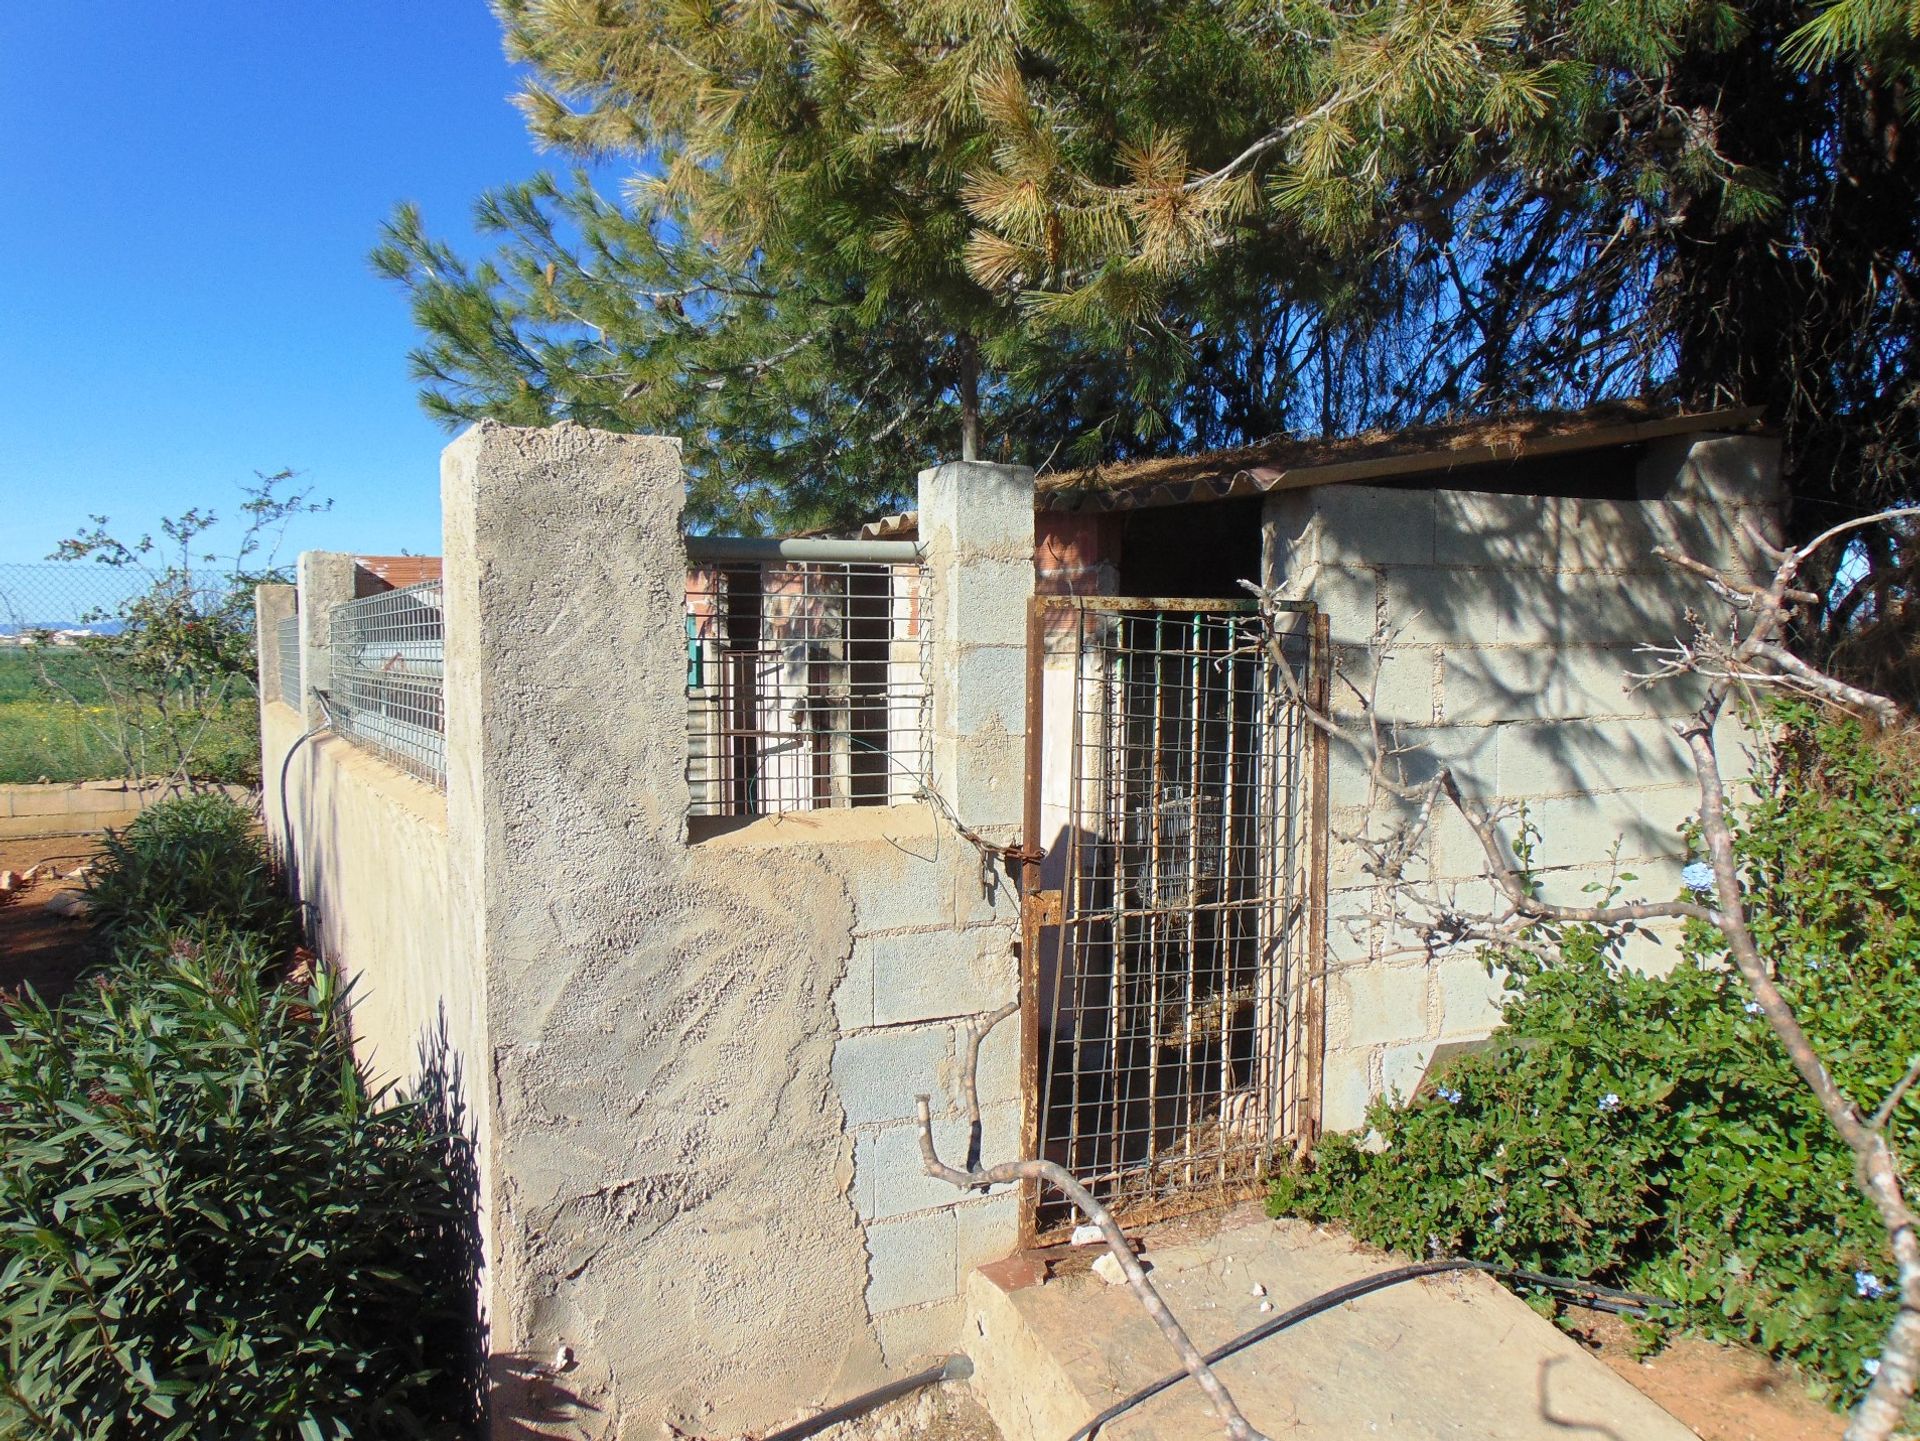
(386, 670)
(287, 642)
(1170, 991)
(806, 686)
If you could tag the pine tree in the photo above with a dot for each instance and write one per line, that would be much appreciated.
(862, 235)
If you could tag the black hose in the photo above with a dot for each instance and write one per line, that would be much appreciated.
(1605, 1298)
(286, 817)
(953, 1368)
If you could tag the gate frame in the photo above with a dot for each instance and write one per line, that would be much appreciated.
(1041, 908)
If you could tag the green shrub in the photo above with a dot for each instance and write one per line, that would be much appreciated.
(1650, 1132)
(190, 858)
(207, 1225)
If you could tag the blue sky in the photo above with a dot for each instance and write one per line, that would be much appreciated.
(190, 191)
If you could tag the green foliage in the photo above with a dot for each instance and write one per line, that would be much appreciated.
(21, 676)
(1125, 228)
(190, 858)
(169, 691)
(58, 723)
(1650, 1132)
(54, 739)
(208, 1226)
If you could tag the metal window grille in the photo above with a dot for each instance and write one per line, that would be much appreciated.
(806, 686)
(287, 642)
(386, 665)
(1170, 990)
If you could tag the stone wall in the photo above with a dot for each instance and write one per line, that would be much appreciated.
(1514, 620)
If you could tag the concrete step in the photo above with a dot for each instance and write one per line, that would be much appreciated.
(1450, 1357)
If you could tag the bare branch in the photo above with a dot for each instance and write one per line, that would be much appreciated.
(1895, 1096)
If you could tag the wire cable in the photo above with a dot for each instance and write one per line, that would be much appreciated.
(1630, 1302)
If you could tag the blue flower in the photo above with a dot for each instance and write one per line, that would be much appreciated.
(1867, 1286)
(1752, 1008)
(1449, 1095)
(1609, 1103)
(1697, 876)
(1871, 1365)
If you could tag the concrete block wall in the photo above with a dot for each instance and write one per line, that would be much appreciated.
(701, 1053)
(690, 1065)
(1514, 621)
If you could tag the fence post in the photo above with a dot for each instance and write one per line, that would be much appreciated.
(326, 580)
(565, 663)
(271, 605)
(976, 527)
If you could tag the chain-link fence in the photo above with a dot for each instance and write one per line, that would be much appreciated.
(70, 713)
(73, 598)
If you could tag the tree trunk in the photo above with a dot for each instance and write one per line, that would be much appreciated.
(971, 440)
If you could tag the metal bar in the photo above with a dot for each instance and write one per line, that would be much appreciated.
(806, 686)
(754, 550)
(1124, 603)
(1034, 1082)
(1319, 683)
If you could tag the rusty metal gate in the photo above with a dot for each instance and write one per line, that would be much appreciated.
(1174, 930)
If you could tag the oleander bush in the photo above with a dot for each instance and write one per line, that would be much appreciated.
(1649, 1131)
(211, 1225)
(193, 858)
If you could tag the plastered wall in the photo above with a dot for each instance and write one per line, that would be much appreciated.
(1513, 621)
(691, 1061)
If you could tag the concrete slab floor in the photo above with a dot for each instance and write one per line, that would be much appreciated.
(1449, 1357)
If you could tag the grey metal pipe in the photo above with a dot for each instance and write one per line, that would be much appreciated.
(747, 548)
(954, 1368)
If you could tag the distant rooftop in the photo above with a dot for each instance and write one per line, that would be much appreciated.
(390, 572)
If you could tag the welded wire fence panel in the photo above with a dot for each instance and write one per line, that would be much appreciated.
(287, 642)
(1171, 986)
(806, 686)
(386, 666)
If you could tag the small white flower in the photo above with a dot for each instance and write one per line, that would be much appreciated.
(1449, 1095)
(1867, 1286)
(1871, 1365)
(1609, 1103)
(1752, 1008)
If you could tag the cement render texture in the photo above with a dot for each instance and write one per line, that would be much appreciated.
(688, 1063)
(692, 1048)
(1442, 1359)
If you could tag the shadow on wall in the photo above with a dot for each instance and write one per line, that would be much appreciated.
(486, 1395)
(458, 1339)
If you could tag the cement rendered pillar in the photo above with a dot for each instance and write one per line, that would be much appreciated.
(976, 528)
(271, 605)
(563, 580)
(326, 580)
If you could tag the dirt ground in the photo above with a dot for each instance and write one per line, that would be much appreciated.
(946, 1412)
(38, 948)
(1725, 1393)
